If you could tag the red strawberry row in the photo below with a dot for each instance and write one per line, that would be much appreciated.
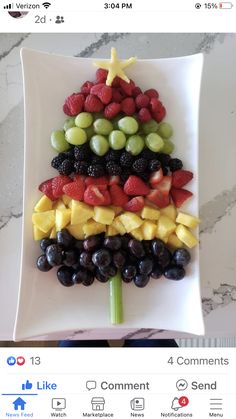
(107, 190)
(111, 100)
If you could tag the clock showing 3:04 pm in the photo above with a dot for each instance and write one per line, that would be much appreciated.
(118, 5)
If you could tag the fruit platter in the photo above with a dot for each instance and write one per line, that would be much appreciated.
(110, 234)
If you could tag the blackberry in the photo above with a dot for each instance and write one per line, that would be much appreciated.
(126, 159)
(95, 170)
(70, 154)
(175, 164)
(144, 176)
(66, 167)
(81, 167)
(164, 158)
(154, 165)
(113, 155)
(82, 152)
(113, 168)
(57, 161)
(98, 160)
(148, 154)
(140, 165)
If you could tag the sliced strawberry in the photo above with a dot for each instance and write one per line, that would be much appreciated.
(75, 190)
(179, 196)
(180, 178)
(135, 204)
(156, 177)
(102, 180)
(159, 198)
(118, 196)
(97, 195)
(135, 186)
(46, 188)
(114, 180)
(58, 183)
(165, 184)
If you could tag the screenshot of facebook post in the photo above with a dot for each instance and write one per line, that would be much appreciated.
(117, 210)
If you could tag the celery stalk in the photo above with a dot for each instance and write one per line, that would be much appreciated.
(116, 305)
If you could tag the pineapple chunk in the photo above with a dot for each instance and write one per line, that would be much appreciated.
(38, 234)
(44, 204)
(186, 236)
(149, 230)
(130, 221)
(165, 226)
(53, 233)
(117, 224)
(174, 242)
(137, 234)
(169, 211)
(150, 213)
(59, 205)
(80, 212)
(117, 210)
(76, 231)
(93, 227)
(187, 220)
(62, 218)
(104, 215)
(66, 200)
(44, 220)
(111, 231)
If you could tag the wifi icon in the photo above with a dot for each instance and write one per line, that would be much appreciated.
(46, 4)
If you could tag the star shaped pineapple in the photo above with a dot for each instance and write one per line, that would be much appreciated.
(115, 67)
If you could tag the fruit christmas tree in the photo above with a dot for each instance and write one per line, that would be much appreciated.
(112, 211)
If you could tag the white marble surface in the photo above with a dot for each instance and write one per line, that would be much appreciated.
(217, 163)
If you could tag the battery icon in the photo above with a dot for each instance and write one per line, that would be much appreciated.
(226, 5)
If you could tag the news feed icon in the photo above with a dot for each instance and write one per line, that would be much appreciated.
(137, 403)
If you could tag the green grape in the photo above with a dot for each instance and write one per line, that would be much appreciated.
(58, 141)
(135, 145)
(168, 147)
(102, 126)
(117, 140)
(99, 145)
(76, 136)
(128, 125)
(165, 130)
(84, 120)
(150, 126)
(89, 131)
(154, 142)
(69, 123)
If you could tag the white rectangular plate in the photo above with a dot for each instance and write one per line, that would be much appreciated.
(44, 306)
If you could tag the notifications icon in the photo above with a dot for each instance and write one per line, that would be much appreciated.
(91, 385)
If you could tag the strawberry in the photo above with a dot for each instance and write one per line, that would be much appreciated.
(179, 196)
(144, 115)
(86, 87)
(135, 186)
(127, 87)
(75, 190)
(152, 93)
(74, 104)
(58, 183)
(128, 106)
(136, 91)
(156, 177)
(118, 196)
(159, 198)
(97, 195)
(165, 184)
(114, 180)
(181, 178)
(112, 110)
(93, 104)
(101, 75)
(46, 188)
(102, 180)
(142, 101)
(135, 204)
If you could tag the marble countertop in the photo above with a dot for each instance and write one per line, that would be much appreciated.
(217, 163)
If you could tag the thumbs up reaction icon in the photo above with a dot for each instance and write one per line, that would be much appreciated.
(27, 385)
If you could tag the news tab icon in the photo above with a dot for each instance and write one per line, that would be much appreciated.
(137, 404)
